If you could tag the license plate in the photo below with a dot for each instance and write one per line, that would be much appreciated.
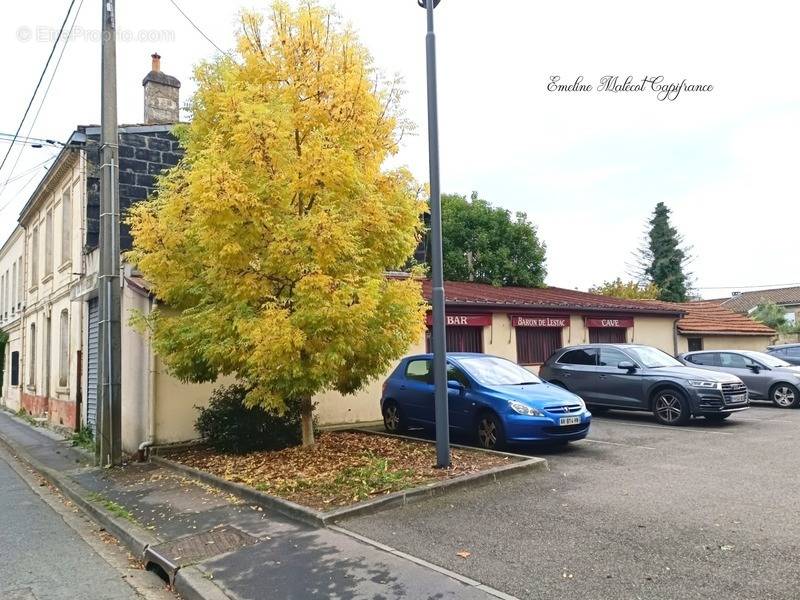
(736, 398)
(569, 421)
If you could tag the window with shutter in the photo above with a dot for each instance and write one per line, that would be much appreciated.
(536, 344)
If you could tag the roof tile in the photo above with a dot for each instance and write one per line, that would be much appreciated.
(746, 301)
(708, 316)
(481, 294)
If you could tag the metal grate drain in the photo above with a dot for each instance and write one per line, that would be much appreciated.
(171, 556)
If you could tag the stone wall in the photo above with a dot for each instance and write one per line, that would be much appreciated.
(143, 155)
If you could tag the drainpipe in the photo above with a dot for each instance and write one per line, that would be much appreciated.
(675, 336)
(151, 395)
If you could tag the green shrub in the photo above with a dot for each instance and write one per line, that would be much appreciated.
(227, 425)
(84, 438)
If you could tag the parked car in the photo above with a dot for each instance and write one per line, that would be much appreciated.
(491, 399)
(788, 352)
(635, 377)
(767, 377)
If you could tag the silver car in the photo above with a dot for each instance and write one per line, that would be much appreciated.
(767, 377)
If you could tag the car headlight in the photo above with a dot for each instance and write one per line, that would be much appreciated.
(524, 409)
(709, 385)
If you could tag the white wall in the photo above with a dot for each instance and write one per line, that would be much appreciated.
(12, 300)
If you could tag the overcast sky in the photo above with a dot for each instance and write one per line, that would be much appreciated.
(587, 167)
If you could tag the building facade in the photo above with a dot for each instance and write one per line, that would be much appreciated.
(12, 303)
(524, 325)
(50, 327)
(50, 308)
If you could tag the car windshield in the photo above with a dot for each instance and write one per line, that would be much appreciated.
(490, 370)
(651, 357)
(768, 359)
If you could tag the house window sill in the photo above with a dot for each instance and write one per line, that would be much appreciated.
(47, 278)
(64, 266)
(62, 391)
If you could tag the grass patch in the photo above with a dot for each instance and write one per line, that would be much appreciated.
(376, 477)
(114, 508)
(84, 439)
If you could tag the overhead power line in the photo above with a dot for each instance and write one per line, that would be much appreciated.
(193, 24)
(34, 173)
(33, 143)
(7, 137)
(39, 83)
(47, 89)
(35, 167)
(746, 287)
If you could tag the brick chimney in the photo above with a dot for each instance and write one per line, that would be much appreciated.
(161, 96)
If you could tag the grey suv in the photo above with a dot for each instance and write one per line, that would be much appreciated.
(767, 377)
(635, 377)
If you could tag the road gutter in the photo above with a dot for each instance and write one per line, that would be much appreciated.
(190, 581)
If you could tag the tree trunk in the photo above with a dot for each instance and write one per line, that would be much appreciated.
(307, 421)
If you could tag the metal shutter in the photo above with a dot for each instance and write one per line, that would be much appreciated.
(92, 364)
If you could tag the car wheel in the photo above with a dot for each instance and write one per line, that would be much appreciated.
(784, 395)
(490, 432)
(393, 419)
(670, 407)
(717, 417)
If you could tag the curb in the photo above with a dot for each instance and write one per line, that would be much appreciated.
(424, 563)
(284, 507)
(401, 498)
(192, 585)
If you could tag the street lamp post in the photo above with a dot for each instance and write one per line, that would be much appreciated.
(437, 279)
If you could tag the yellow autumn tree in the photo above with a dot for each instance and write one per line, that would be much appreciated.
(632, 290)
(269, 243)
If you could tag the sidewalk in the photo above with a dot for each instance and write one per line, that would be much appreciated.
(223, 546)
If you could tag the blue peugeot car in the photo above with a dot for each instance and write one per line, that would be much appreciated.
(491, 399)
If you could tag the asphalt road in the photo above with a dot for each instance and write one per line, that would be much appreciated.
(638, 510)
(50, 551)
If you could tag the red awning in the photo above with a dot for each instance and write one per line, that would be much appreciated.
(463, 320)
(540, 320)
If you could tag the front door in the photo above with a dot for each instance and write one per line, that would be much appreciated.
(615, 386)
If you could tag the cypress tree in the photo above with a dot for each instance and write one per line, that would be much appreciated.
(662, 259)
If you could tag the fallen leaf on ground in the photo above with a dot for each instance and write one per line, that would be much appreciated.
(464, 554)
(341, 468)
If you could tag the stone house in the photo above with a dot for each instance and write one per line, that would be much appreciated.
(12, 296)
(52, 364)
(788, 298)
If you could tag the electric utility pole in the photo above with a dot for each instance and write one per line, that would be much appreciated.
(108, 438)
(438, 337)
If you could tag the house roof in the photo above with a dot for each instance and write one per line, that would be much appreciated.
(709, 317)
(468, 294)
(747, 301)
